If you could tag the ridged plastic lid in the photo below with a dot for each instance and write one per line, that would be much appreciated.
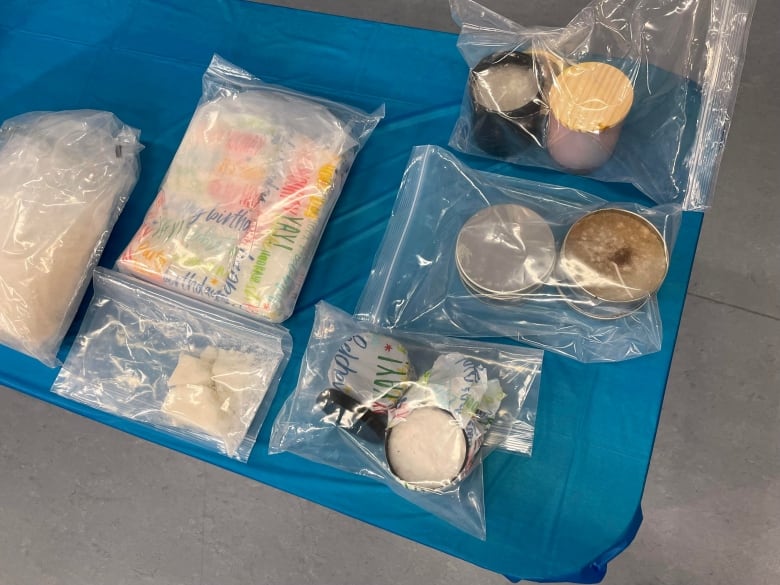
(591, 97)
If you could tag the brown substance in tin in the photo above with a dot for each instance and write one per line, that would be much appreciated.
(615, 255)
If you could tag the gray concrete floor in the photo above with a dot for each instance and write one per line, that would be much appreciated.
(84, 510)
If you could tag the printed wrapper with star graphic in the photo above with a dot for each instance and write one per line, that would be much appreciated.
(369, 367)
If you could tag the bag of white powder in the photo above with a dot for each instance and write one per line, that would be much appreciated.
(200, 374)
(64, 178)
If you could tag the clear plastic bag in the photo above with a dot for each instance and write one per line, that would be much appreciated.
(417, 412)
(475, 254)
(64, 178)
(247, 196)
(631, 91)
(199, 373)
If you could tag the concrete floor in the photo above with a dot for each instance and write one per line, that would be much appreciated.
(81, 510)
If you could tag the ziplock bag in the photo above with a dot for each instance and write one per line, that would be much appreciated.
(416, 412)
(475, 254)
(633, 91)
(64, 178)
(246, 198)
(199, 373)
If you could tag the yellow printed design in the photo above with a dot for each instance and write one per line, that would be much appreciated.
(325, 175)
(149, 261)
(313, 207)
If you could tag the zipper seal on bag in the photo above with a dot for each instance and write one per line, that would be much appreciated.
(726, 41)
(222, 75)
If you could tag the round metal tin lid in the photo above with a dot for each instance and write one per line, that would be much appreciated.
(615, 255)
(505, 250)
(595, 308)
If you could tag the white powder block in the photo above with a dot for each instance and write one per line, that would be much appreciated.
(217, 393)
(190, 370)
(427, 448)
(197, 406)
(234, 371)
(62, 182)
(238, 383)
(209, 354)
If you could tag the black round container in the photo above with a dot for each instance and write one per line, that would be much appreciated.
(503, 131)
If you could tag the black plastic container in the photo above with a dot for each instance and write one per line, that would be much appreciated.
(498, 130)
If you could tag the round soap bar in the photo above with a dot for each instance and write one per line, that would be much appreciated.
(367, 366)
(427, 449)
(615, 255)
(505, 250)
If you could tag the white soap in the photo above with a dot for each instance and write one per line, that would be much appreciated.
(427, 448)
(505, 87)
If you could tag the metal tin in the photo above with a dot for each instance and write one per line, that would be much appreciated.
(505, 251)
(595, 308)
(504, 121)
(615, 255)
(434, 484)
(487, 297)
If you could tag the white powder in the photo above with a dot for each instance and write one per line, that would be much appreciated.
(62, 181)
(505, 87)
(427, 448)
(217, 393)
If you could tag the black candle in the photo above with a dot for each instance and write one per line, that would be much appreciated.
(505, 91)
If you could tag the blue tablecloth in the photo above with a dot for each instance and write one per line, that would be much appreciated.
(560, 515)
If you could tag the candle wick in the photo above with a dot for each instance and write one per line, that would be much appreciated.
(621, 257)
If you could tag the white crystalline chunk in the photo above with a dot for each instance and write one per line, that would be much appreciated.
(209, 354)
(190, 370)
(236, 378)
(217, 393)
(197, 406)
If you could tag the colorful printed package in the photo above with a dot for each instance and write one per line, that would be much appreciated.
(247, 196)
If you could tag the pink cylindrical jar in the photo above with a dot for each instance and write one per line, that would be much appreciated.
(588, 103)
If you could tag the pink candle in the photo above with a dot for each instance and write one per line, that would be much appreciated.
(588, 104)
